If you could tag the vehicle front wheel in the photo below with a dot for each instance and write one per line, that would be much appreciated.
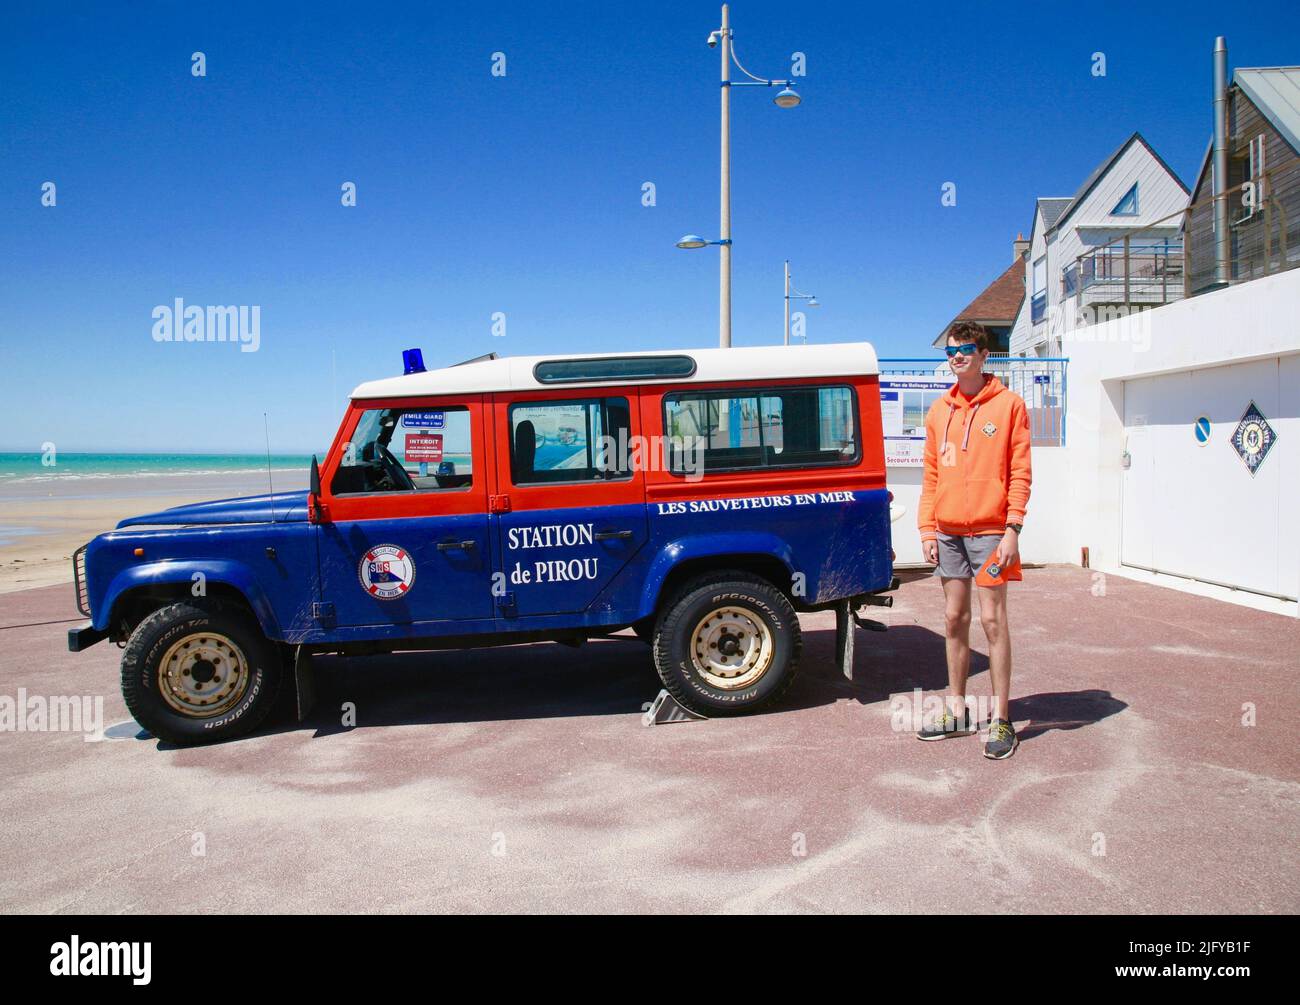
(196, 673)
(727, 643)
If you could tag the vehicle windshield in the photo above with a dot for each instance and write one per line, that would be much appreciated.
(407, 450)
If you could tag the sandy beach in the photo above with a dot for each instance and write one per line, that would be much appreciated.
(43, 522)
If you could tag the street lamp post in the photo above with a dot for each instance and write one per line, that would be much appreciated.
(792, 294)
(724, 225)
(785, 98)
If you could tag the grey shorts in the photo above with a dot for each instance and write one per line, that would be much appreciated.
(961, 557)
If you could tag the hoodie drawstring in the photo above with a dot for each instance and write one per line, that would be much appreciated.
(943, 444)
(970, 421)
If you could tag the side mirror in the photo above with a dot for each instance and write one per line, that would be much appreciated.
(314, 512)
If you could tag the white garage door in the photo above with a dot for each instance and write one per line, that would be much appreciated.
(1194, 509)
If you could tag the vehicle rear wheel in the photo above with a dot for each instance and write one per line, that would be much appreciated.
(727, 644)
(196, 673)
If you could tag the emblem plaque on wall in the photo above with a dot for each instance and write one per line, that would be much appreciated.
(1253, 438)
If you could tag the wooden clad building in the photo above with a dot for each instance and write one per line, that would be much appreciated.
(1263, 183)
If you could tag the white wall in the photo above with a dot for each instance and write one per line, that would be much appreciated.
(1258, 320)
(1020, 340)
(1178, 491)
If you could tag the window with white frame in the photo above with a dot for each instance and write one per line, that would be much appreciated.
(1127, 206)
(1038, 303)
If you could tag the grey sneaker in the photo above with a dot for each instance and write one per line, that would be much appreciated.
(947, 726)
(1002, 741)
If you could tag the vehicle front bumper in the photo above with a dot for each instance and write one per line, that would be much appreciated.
(84, 637)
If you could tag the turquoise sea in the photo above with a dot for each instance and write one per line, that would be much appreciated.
(36, 467)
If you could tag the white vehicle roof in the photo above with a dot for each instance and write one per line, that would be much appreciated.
(515, 373)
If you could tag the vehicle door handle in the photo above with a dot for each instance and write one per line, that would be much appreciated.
(456, 545)
(609, 535)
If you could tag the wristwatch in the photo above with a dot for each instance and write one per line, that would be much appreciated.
(1015, 526)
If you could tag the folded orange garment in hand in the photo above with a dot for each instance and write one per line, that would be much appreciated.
(992, 574)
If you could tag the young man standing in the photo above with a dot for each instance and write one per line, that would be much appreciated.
(973, 500)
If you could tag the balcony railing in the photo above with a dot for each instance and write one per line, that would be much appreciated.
(1148, 267)
(1137, 270)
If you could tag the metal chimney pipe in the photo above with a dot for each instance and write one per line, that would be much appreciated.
(1222, 243)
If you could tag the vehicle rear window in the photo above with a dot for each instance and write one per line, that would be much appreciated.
(569, 441)
(782, 427)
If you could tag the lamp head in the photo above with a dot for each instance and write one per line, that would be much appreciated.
(786, 98)
(692, 241)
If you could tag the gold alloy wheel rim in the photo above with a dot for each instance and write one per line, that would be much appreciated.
(203, 675)
(731, 648)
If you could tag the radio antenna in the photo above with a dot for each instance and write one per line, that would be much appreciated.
(266, 426)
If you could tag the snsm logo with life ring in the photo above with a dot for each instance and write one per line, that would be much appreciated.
(386, 572)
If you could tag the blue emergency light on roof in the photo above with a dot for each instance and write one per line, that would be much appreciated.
(412, 361)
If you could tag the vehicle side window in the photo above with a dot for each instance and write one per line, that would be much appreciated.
(407, 450)
(569, 441)
(786, 427)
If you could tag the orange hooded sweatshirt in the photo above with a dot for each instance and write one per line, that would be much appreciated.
(977, 469)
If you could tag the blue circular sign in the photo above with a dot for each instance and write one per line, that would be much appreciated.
(1202, 430)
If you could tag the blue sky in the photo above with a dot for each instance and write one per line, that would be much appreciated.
(522, 194)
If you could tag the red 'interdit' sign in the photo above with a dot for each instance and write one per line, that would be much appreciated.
(424, 447)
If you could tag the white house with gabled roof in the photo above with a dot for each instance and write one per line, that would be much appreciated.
(1076, 255)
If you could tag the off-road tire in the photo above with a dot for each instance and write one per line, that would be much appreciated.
(163, 629)
(673, 641)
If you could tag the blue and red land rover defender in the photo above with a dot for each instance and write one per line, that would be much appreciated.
(700, 498)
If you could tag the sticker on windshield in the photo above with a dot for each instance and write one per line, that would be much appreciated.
(425, 420)
(423, 447)
(386, 572)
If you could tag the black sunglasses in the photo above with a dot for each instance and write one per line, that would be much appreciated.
(969, 349)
